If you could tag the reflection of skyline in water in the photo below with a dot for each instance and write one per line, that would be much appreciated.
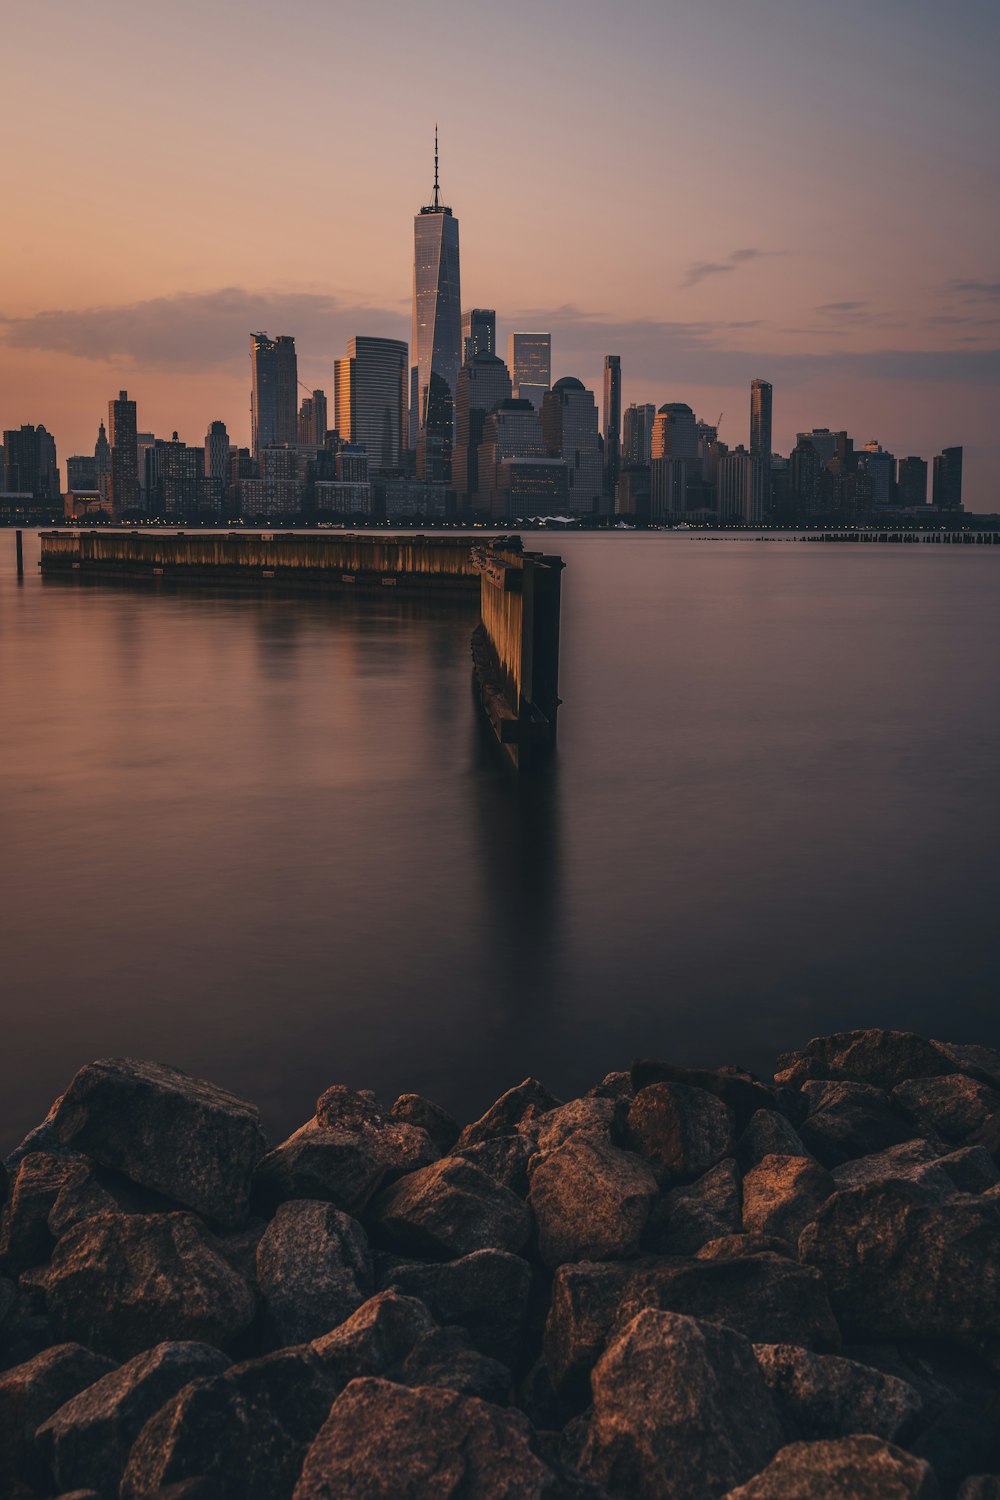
(265, 838)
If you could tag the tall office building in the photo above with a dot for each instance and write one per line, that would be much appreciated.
(529, 360)
(217, 452)
(911, 481)
(275, 390)
(675, 433)
(823, 442)
(81, 472)
(102, 463)
(637, 434)
(369, 395)
(947, 492)
(743, 485)
(804, 466)
(312, 420)
(29, 463)
(569, 426)
(876, 471)
(483, 383)
(760, 419)
(479, 332)
(436, 338)
(123, 436)
(612, 421)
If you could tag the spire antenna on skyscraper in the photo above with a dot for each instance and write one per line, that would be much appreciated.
(435, 165)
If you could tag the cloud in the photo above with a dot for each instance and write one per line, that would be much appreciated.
(702, 268)
(988, 289)
(202, 330)
(841, 309)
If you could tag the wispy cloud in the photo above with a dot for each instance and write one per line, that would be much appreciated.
(700, 269)
(987, 289)
(841, 309)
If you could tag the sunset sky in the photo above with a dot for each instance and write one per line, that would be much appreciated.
(798, 189)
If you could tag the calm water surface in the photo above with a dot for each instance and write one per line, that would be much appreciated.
(266, 839)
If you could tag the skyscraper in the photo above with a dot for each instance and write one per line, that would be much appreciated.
(370, 399)
(436, 339)
(675, 433)
(29, 463)
(529, 359)
(947, 492)
(479, 332)
(911, 481)
(743, 484)
(612, 421)
(760, 419)
(312, 420)
(637, 437)
(217, 452)
(483, 382)
(275, 390)
(569, 425)
(102, 463)
(124, 454)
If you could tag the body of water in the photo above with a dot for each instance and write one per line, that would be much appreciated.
(267, 840)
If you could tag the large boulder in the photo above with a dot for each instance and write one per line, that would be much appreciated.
(851, 1468)
(86, 1442)
(684, 1219)
(505, 1158)
(756, 1295)
(503, 1118)
(449, 1209)
(913, 1161)
(953, 1106)
(25, 1237)
(485, 1293)
(383, 1441)
(900, 1263)
(448, 1357)
(31, 1392)
(374, 1339)
(414, 1109)
(245, 1431)
(849, 1120)
(680, 1411)
(313, 1269)
(590, 1200)
(185, 1138)
(121, 1283)
(873, 1056)
(768, 1134)
(593, 1117)
(681, 1131)
(782, 1194)
(825, 1396)
(738, 1090)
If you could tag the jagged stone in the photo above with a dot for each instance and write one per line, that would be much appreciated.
(768, 1134)
(414, 1109)
(374, 1339)
(449, 1209)
(988, 1136)
(971, 1169)
(400, 1146)
(900, 1263)
(85, 1192)
(86, 1442)
(684, 1219)
(681, 1131)
(121, 1283)
(383, 1441)
(590, 1201)
(739, 1091)
(593, 1117)
(31, 1392)
(755, 1295)
(320, 1165)
(782, 1194)
(874, 1056)
(25, 1238)
(851, 1468)
(826, 1396)
(849, 1120)
(913, 1161)
(505, 1158)
(26, 1331)
(486, 1293)
(971, 1058)
(448, 1357)
(680, 1410)
(733, 1246)
(613, 1086)
(503, 1117)
(246, 1430)
(180, 1136)
(313, 1269)
(953, 1106)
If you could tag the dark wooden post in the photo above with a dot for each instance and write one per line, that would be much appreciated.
(19, 549)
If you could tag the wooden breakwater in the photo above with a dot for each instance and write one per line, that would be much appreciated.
(515, 649)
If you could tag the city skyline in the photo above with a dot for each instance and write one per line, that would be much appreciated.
(887, 331)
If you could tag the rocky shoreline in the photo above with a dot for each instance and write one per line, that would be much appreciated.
(685, 1284)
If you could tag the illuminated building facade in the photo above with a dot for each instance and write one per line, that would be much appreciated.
(436, 338)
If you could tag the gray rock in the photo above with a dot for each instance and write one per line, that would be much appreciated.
(880, 1058)
(84, 1192)
(851, 1468)
(593, 1117)
(849, 1120)
(971, 1169)
(505, 1158)
(449, 1209)
(31, 1392)
(401, 1146)
(448, 1357)
(374, 1339)
(246, 1430)
(970, 1058)
(733, 1246)
(684, 1219)
(121, 1283)
(913, 1161)
(825, 1396)
(953, 1106)
(86, 1442)
(768, 1134)
(485, 1293)
(590, 1201)
(25, 1238)
(900, 1263)
(503, 1117)
(313, 1269)
(739, 1091)
(321, 1165)
(681, 1131)
(383, 1441)
(414, 1109)
(680, 1409)
(613, 1086)
(782, 1194)
(179, 1136)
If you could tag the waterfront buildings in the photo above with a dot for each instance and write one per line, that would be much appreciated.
(274, 391)
(947, 491)
(312, 420)
(370, 399)
(612, 421)
(637, 434)
(29, 463)
(123, 437)
(217, 452)
(911, 482)
(436, 336)
(569, 427)
(479, 332)
(760, 419)
(529, 359)
(483, 383)
(675, 433)
(743, 486)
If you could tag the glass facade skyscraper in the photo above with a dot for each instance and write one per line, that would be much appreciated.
(612, 420)
(529, 359)
(436, 338)
(479, 332)
(369, 399)
(274, 402)
(760, 419)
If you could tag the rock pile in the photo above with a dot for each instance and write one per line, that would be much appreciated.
(687, 1284)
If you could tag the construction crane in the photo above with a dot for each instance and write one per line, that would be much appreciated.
(718, 423)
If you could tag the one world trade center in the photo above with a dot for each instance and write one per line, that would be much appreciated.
(436, 340)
